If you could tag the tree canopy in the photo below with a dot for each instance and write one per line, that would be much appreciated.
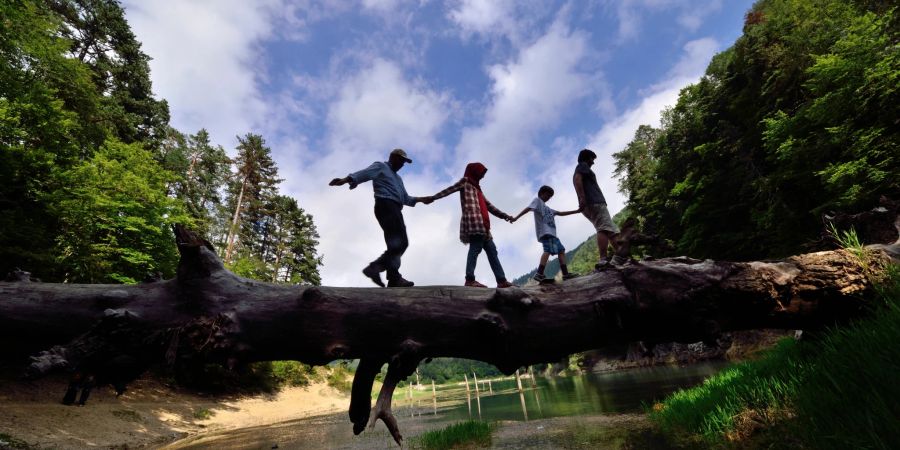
(92, 177)
(796, 119)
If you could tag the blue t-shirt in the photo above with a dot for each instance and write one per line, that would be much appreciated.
(385, 182)
(544, 218)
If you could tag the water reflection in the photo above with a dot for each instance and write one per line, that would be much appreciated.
(596, 393)
(619, 392)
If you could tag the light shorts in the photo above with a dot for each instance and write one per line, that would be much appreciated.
(599, 217)
(552, 245)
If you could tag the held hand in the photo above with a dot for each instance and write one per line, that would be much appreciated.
(337, 182)
(426, 200)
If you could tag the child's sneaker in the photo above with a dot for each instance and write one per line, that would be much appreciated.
(473, 283)
(539, 277)
(504, 284)
(603, 264)
(569, 276)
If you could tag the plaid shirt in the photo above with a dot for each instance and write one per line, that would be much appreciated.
(471, 221)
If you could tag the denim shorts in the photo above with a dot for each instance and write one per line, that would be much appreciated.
(552, 245)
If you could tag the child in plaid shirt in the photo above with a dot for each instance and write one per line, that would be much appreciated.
(545, 228)
(475, 224)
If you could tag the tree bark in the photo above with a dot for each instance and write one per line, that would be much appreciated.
(209, 314)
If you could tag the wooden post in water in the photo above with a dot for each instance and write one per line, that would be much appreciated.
(468, 396)
(518, 381)
(522, 401)
(411, 409)
(433, 396)
(491, 387)
(533, 382)
(477, 394)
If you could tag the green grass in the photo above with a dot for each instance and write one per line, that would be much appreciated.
(203, 414)
(471, 433)
(837, 392)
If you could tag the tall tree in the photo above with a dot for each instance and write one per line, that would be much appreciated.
(49, 111)
(201, 170)
(101, 38)
(292, 254)
(254, 186)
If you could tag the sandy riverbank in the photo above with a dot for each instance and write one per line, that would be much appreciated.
(149, 415)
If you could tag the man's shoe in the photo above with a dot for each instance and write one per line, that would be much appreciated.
(473, 283)
(539, 277)
(504, 284)
(373, 273)
(400, 282)
(569, 276)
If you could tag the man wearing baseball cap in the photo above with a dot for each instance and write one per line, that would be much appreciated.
(390, 196)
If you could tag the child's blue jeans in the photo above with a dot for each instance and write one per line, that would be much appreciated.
(477, 242)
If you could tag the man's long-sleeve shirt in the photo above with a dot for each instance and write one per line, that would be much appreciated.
(385, 182)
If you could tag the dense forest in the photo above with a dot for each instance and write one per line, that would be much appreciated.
(92, 176)
(799, 118)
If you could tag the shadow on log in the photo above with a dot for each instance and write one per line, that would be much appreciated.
(209, 315)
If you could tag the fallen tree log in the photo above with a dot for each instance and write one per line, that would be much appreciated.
(208, 314)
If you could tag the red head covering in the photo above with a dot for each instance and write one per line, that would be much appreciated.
(474, 173)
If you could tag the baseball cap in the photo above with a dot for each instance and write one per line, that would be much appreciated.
(401, 153)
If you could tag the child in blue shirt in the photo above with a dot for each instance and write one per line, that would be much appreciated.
(545, 229)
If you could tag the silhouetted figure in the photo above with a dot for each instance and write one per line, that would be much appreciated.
(390, 196)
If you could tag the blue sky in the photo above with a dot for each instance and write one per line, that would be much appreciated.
(520, 86)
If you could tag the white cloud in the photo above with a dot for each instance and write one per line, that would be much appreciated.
(690, 13)
(206, 61)
(484, 16)
(616, 134)
(381, 5)
(528, 95)
(379, 109)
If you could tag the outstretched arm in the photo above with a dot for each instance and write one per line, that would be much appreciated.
(524, 211)
(567, 213)
(358, 177)
(449, 190)
(496, 211)
(340, 182)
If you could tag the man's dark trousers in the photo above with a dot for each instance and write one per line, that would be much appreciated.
(390, 216)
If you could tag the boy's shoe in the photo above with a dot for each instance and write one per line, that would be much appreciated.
(569, 276)
(618, 260)
(504, 284)
(400, 282)
(539, 277)
(373, 272)
(602, 265)
(473, 283)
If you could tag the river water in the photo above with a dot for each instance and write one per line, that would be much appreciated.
(498, 400)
